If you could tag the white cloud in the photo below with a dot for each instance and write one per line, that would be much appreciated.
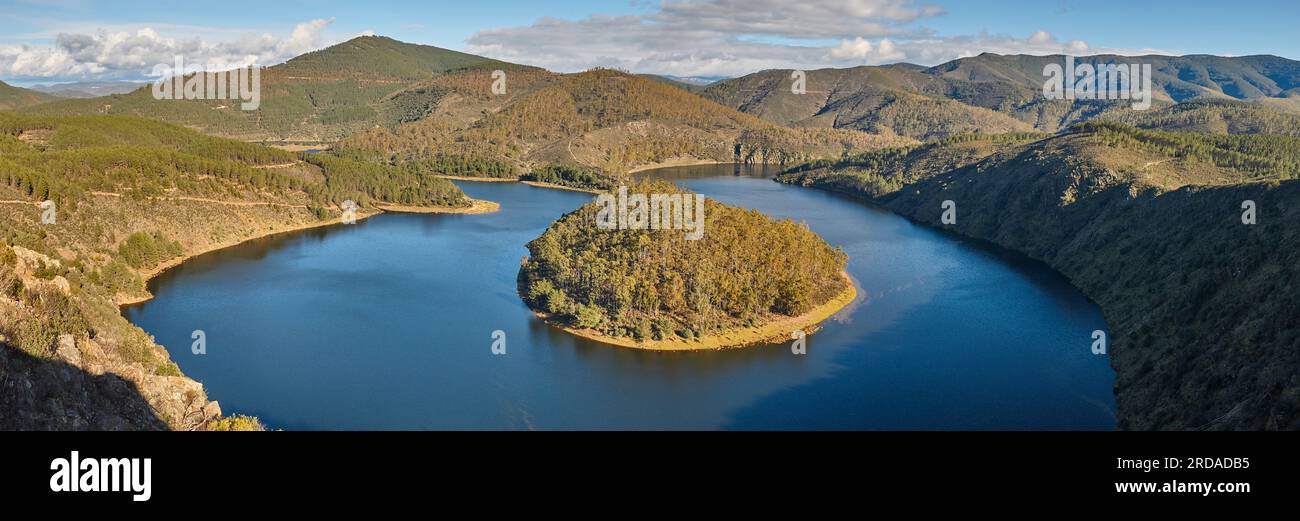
(736, 37)
(133, 53)
(858, 48)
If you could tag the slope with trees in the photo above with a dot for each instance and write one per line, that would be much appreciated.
(1150, 226)
(125, 198)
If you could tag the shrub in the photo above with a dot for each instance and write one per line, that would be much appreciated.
(236, 423)
(117, 277)
(142, 250)
(589, 317)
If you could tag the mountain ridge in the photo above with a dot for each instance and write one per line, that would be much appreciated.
(1009, 85)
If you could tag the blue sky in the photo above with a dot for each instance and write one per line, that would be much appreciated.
(695, 37)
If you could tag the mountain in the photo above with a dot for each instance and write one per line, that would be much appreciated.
(88, 89)
(601, 120)
(917, 101)
(12, 97)
(410, 99)
(1174, 78)
(319, 96)
(1201, 306)
(892, 99)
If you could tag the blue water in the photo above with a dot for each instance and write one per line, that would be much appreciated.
(387, 324)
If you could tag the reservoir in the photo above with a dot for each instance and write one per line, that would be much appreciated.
(388, 324)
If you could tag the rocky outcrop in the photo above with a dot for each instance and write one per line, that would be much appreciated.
(80, 382)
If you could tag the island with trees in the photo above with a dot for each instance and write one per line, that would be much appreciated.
(748, 280)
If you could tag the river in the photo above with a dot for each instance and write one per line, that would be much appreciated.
(388, 324)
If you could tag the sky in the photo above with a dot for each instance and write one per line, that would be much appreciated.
(50, 41)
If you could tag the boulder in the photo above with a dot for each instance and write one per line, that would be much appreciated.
(66, 350)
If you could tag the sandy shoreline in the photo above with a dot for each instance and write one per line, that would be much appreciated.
(680, 161)
(554, 186)
(776, 332)
(538, 184)
(477, 206)
(479, 179)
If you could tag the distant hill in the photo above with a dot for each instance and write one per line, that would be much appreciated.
(417, 102)
(916, 101)
(892, 99)
(1148, 224)
(601, 120)
(689, 86)
(1174, 78)
(12, 97)
(319, 96)
(88, 89)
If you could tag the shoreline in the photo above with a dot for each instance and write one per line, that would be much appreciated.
(676, 162)
(538, 184)
(479, 179)
(478, 206)
(553, 186)
(775, 332)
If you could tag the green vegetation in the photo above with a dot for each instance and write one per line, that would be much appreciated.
(885, 171)
(63, 158)
(1215, 116)
(656, 285)
(441, 164)
(132, 194)
(572, 177)
(412, 184)
(319, 96)
(602, 121)
(12, 97)
(237, 422)
(1148, 225)
(143, 250)
(58, 314)
(885, 100)
(1261, 156)
(996, 94)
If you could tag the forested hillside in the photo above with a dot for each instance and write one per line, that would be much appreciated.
(891, 99)
(994, 94)
(128, 197)
(1149, 225)
(317, 97)
(1175, 78)
(601, 120)
(12, 97)
(1215, 116)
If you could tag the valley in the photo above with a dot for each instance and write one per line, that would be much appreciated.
(1140, 210)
